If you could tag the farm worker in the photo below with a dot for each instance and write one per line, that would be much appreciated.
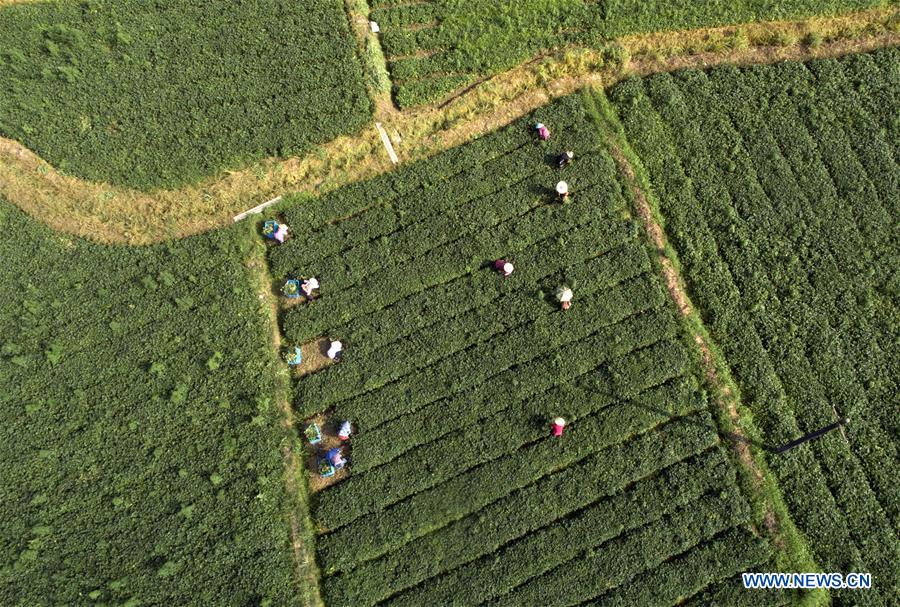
(344, 432)
(281, 233)
(562, 191)
(564, 296)
(309, 285)
(335, 349)
(334, 456)
(565, 158)
(501, 265)
(558, 425)
(543, 131)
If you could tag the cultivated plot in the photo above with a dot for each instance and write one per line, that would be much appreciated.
(435, 47)
(149, 96)
(451, 373)
(141, 446)
(779, 189)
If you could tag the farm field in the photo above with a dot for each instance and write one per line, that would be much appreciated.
(149, 97)
(778, 186)
(435, 47)
(729, 243)
(451, 373)
(141, 445)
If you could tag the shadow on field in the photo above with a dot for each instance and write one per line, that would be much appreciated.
(728, 436)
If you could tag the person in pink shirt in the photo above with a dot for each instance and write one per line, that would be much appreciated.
(543, 131)
(559, 425)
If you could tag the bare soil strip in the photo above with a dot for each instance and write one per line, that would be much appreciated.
(113, 214)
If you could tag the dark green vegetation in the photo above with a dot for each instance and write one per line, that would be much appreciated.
(780, 188)
(141, 460)
(435, 47)
(151, 95)
(458, 494)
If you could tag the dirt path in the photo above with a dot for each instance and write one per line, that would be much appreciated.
(119, 215)
(722, 393)
(292, 451)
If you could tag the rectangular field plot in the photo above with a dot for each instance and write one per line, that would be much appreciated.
(779, 189)
(458, 494)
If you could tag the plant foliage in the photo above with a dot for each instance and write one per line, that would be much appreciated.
(151, 95)
(779, 188)
(452, 373)
(438, 46)
(141, 456)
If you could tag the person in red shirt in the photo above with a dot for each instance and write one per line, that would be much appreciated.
(558, 425)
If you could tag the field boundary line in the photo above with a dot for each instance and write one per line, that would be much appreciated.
(758, 482)
(299, 526)
(112, 214)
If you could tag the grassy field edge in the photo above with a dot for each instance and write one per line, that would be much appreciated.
(105, 213)
(757, 482)
(297, 505)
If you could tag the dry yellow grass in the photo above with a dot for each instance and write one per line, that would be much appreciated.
(113, 214)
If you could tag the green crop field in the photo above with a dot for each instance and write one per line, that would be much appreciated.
(140, 441)
(731, 241)
(779, 189)
(437, 46)
(152, 95)
(458, 495)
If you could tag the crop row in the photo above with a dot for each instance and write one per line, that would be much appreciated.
(387, 530)
(463, 415)
(455, 389)
(494, 434)
(542, 515)
(447, 262)
(731, 592)
(362, 221)
(462, 338)
(606, 566)
(498, 376)
(487, 202)
(520, 382)
(797, 272)
(809, 353)
(444, 303)
(553, 543)
(734, 551)
(448, 258)
(712, 284)
(832, 348)
(538, 231)
(356, 198)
